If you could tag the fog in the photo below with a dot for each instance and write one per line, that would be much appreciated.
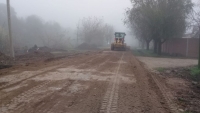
(68, 13)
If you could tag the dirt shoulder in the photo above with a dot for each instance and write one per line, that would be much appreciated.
(182, 92)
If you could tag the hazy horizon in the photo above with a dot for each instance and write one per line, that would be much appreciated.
(68, 13)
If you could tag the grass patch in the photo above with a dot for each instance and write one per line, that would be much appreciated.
(187, 112)
(143, 52)
(160, 69)
(195, 72)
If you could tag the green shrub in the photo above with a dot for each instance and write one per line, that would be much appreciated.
(187, 112)
(195, 72)
(160, 69)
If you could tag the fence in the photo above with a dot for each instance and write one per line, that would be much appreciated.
(188, 47)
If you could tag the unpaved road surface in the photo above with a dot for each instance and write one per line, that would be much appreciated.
(104, 82)
(153, 62)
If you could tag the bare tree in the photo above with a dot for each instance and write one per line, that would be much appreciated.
(94, 31)
(108, 33)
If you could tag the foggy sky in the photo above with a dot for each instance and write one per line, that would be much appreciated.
(69, 12)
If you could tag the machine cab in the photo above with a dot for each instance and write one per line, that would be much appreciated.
(119, 37)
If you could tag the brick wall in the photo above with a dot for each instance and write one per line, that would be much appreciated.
(187, 47)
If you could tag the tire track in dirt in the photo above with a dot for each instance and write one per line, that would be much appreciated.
(53, 108)
(91, 61)
(18, 103)
(25, 96)
(22, 97)
(166, 95)
(58, 102)
(109, 103)
(20, 108)
(149, 97)
(26, 76)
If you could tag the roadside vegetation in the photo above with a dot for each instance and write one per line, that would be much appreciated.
(195, 73)
(158, 20)
(143, 52)
(160, 69)
(184, 82)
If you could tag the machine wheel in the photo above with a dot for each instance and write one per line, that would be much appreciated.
(124, 48)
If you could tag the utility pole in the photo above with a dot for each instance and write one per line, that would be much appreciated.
(77, 33)
(10, 31)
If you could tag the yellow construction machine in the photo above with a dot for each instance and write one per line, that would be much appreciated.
(119, 44)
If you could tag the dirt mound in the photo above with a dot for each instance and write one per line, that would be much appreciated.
(86, 46)
(4, 59)
(44, 49)
(181, 72)
(35, 55)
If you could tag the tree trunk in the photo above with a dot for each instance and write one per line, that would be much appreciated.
(159, 47)
(199, 50)
(155, 46)
(147, 45)
(143, 44)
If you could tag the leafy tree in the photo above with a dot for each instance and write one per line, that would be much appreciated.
(158, 20)
(196, 21)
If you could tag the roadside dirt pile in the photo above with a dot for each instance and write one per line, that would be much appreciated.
(86, 46)
(35, 55)
(5, 61)
(183, 72)
(44, 49)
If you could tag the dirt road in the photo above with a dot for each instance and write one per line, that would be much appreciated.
(153, 62)
(103, 82)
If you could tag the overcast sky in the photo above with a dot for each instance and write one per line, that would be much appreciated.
(69, 12)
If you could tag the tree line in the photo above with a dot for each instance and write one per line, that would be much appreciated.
(94, 31)
(158, 20)
(33, 30)
(30, 31)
